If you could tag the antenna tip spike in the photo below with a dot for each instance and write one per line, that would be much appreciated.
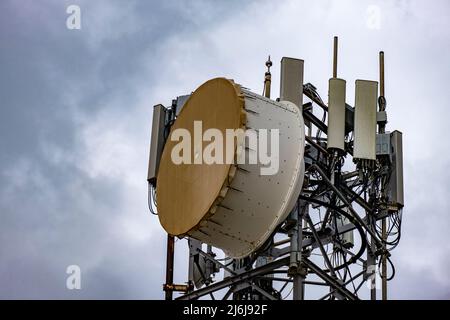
(268, 62)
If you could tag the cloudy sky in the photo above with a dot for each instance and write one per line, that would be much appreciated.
(75, 117)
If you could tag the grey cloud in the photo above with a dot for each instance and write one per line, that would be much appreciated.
(74, 127)
(58, 87)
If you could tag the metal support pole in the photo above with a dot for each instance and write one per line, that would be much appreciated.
(267, 79)
(383, 264)
(168, 287)
(298, 291)
(371, 257)
(382, 73)
(381, 129)
(335, 53)
(372, 262)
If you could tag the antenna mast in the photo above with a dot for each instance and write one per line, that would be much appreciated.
(267, 79)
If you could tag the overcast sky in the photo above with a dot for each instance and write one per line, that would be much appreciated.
(75, 117)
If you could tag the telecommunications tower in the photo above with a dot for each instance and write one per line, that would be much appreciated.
(322, 226)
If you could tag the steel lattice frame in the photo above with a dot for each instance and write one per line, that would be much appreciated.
(309, 243)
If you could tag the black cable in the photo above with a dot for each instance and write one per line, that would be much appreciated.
(392, 267)
(151, 199)
(396, 217)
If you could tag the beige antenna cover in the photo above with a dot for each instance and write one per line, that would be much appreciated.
(187, 192)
